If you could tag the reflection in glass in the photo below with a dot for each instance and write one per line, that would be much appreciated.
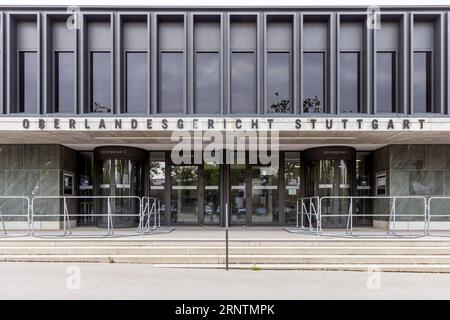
(172, 83)
(207, 82)
(422, 82)
(314, 79)
(292, 185)
(211, 206)
(386, 74)
(238, 199)
(264, 194)
(349, 77)
(28, 82)
(64, 82)
(136, 84)
(184, 194)
(278, 79)
(100, 78)
(243, 82)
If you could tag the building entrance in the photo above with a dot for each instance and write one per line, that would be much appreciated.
(120, 174)
(330, 171)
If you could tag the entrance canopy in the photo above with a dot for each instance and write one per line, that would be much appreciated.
(86, 133)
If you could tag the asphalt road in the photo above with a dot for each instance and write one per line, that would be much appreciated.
(138, 281)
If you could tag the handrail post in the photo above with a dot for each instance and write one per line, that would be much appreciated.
(296, 213)
(109, 217)
(301, 214)
(428, 215)
(226, 236)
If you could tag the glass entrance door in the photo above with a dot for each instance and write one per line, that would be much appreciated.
(253, 194)
(238, 194)
(121, 180)
(264, 194)
(184, 194)
(331, 178)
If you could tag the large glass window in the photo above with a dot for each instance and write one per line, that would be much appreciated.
(211, 206)
(314, 82)
(100, 82)
(184, 194)
(238, 193)
(171, 90)
(136, 84)
(64, 82)
(28, 82)
(207, 82)
(292, 185)
(386, 88)
(422, 82)
(264, 194)
(243, 82)
(157, 177)
(278, 82)
(349, 82)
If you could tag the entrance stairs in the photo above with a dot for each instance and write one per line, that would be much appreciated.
(305, 253)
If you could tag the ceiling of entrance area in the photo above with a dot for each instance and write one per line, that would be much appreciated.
(161, 140)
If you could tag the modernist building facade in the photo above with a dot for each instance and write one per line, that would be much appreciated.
(89, 99)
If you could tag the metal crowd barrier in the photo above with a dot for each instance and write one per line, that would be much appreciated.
(7, 219)
(67, 217)
(151, 207)
(317, 215)
(392, 216)
(308, 207)
(431, 214)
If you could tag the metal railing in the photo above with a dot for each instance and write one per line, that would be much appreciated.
(309, 207)
(342, 208)
(151, 207)
(432, 214)
(134, 214)
(392, 216)
(9, 219)
(147, 213)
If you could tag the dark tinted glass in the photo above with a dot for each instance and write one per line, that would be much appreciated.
(314, 77)
(278, 79)
(100, 75)
(422, 82)
(243, 82)
(136, 85)
(349, 77)
(386, 74)
(207, 82)
(64, 82)
(172, 93)
(28, 82)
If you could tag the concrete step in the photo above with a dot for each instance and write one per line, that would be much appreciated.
(216, 250)
(317, 242)
(237, 259)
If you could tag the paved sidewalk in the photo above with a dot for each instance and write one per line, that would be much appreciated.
(130, 281)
